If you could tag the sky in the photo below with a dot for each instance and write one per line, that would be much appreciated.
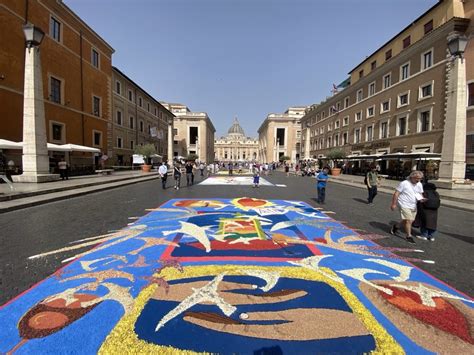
(244, 58)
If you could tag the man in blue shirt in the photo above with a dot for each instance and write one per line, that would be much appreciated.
(322, 178)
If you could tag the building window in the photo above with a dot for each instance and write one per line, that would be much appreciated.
(406, 42)
(130, 95)
(338, 107)
(132, 145)
(141, 126)
(470, 94)
(345, 121)
(372, 89)
(427, 59)
(373, 65)
(402, 126)
(119, 142)
(321, 130)
(57, 130)
(97, 138)
(337, 124)
(383, 130)
(119, 118)
(405, 71)
(95, 58)
(329, 127)
(96, 105)
(193, 135)
(131, 122)
(336, 140)
(55, 29)
(360, 95)
(148, 107)
(428, 27)
(118, 87)
(361, 73)
(358, 116)
(370, 111)
(323, 114)
(470, 144)
(280, 135)
(140, 102)
(425, 91)
(424, 122)
(344, 138)
(385, 106)
(55, 90)
(156, 112)
(387, 81)
(388, 54)
(346, 102)
(403, 99)
(369, 134)
(357, 136)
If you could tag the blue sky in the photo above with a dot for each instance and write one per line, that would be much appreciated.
(244, 58)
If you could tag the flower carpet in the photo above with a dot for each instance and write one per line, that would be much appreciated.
(241, 275)
(233, 180)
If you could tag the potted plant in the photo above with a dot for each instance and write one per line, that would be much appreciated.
(334, 155)
(146, 150)
(192, 157)
(284, 158)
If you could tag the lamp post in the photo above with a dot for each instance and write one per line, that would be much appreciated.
(35, 150)
(170, 141)
(452, 168)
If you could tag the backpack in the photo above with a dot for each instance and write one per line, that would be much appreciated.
(433, 202)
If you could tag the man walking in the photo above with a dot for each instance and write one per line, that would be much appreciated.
(322, 179)
(189, 173)
(163, 171)
(177, 175)
(406, 197)
(372, 181)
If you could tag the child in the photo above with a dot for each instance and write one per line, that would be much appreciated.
(322, 179)
(256, 177)
(428, 212)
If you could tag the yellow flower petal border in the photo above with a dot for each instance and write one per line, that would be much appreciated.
(123, 339)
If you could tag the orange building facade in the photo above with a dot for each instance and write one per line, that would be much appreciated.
(77, 78)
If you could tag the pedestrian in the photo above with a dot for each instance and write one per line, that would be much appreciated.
(372, 181)
(322, 179)
(201, 168)
(287, 170)
(231, 168)
(406, 197)
(62, 165)
(189, 174)
(163, 171)
(427, 214)
(256, 177)
(177, 176)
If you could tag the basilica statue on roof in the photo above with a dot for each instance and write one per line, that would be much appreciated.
(236, 147)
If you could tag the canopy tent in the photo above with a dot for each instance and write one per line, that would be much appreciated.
(6, 144)
(412, 155)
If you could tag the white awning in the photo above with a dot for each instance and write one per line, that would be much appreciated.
(6, 144)
(80, 148)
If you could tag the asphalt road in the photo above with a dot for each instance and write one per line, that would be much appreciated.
(39, 229)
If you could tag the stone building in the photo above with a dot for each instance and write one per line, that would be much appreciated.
(76, 72)
(236, 146)
(395, 99)
(193, 133)
(280, 135)
(137, 119)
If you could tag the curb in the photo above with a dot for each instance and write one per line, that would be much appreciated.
(47, 198)
(445, 202)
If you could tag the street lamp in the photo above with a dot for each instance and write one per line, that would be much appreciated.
(170, 140)
(457, 44)
(452, 167)
(35, 158)
(33, 35)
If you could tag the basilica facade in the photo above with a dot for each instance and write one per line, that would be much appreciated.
(236, 147)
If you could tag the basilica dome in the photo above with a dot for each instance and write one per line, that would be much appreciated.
(236, 129)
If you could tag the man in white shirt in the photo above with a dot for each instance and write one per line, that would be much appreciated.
(163, 171)
(406, 197)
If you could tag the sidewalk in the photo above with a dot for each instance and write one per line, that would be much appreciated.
(27, 195)
(460, 199)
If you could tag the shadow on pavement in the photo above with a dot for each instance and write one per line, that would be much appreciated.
(360, 200)
(463, 238)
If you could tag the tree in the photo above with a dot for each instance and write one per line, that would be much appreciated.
(284, 158)
(336, 154)
(147, 150)
(192, 157)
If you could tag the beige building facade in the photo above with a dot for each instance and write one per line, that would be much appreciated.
(280, 135)
(138, 119)
(193, 133)
(236, 146)
(394, 101)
